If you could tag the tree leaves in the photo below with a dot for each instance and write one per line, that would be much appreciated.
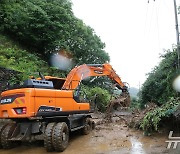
(158, 86)
(49, 25)
(152, 119)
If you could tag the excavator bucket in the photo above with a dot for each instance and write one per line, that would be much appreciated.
(118, 103)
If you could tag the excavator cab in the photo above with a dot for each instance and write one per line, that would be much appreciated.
(79, 95)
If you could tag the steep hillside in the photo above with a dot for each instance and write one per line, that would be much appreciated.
(14, 57)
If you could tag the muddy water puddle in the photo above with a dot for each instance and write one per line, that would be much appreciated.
(106, 139)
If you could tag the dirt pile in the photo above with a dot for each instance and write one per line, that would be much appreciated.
(117, 103)
(137, 115)
(131, 118)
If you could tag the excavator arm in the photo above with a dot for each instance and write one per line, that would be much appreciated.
(87, 70)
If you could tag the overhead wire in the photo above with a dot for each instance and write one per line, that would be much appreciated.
(148, 22)
(157, 23)
(147, 9)
(169, 10)
(154, 17)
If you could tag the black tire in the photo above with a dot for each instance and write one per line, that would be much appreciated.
(2, 126)
(48, 137)
(87, 127)
(6, 134)
(60, 136)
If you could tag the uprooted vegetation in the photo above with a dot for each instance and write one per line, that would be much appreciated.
(153, 118)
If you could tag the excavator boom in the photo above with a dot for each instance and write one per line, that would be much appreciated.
(83, 71)
(87, 70)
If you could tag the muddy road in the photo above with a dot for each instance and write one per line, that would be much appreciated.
(113, 138)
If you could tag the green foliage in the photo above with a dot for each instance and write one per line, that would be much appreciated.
(152, 119)
(33, 22)
(25, 63)
(49, 25)
(158, 86)
(134, 103)
(97, 96)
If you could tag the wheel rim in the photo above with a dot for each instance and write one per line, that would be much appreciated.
(64, 136)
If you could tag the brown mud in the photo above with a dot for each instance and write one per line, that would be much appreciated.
(107, 138)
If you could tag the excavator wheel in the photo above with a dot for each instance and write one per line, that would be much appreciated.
(2, 126)
(48, 137)
(6, 134)
(88, 126)
(60, 136)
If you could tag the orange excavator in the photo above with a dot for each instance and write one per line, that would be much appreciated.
(48, 108)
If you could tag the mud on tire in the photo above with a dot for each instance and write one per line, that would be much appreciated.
(48, 137)
(6, 134)
(60, 136)
(88, 126)
(2, 126)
